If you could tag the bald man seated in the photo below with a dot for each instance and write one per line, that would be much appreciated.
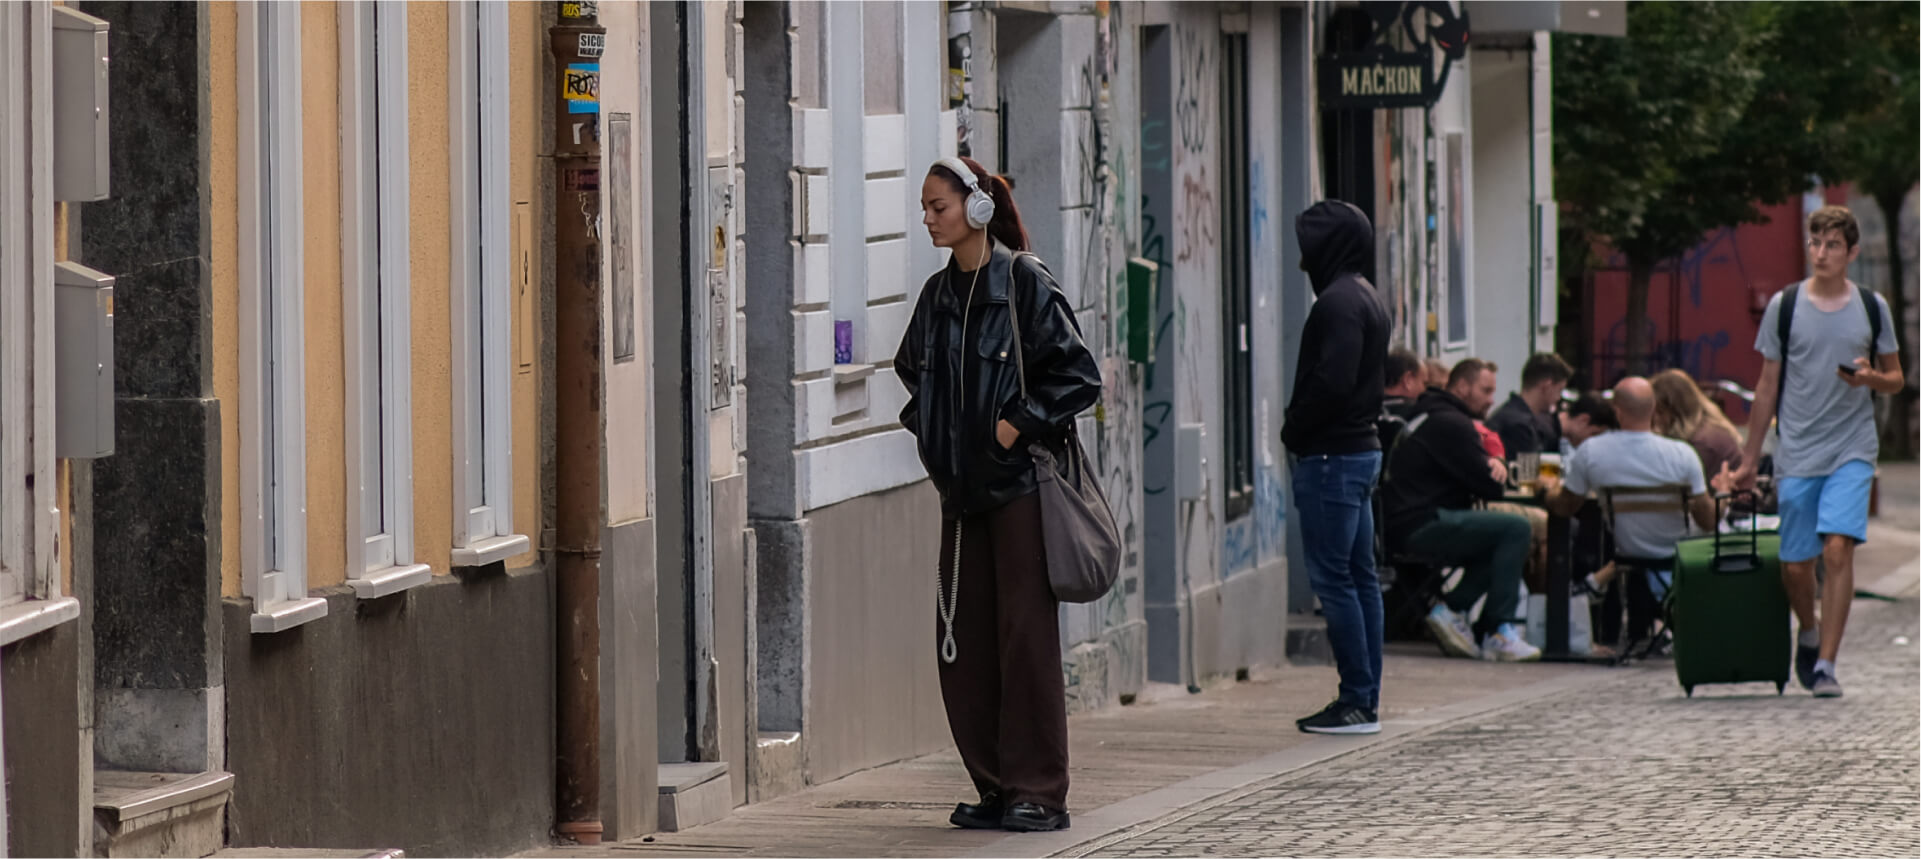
(1638, 465)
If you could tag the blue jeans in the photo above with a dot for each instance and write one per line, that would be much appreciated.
(1333, 498)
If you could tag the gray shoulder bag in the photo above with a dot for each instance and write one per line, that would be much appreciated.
(1077, 528)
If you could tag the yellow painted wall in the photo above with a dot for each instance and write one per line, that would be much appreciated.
(326, 368)
(527, 44)
(224, 214)
(430, 247)
(431, 242)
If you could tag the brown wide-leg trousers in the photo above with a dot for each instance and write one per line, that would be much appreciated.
(1006, 701)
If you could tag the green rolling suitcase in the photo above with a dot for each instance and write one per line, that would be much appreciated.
(1729, 612)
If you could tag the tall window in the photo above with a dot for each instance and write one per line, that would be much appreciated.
(483, 351)
(30, 589)
(374, 294)
(1237, 368)
(272, 400)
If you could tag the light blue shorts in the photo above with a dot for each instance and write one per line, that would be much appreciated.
(1814, 507)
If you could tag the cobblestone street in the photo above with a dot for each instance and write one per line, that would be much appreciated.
(1623, 768)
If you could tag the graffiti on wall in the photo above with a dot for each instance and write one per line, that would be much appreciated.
(1200, 224)
(1197, 267)
(960, 76)
(1196, 87)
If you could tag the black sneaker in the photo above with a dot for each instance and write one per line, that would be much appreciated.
(1329, 711)
(1804, 659)
(1341, 718)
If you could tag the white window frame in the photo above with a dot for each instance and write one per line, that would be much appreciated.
(30, 586)
(273, 480)
(482, 344)
(375, 296)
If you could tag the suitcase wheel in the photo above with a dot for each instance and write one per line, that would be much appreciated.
(1780, 687)
(1689, 690)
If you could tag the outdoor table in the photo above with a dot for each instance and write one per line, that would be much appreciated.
(1560, 574)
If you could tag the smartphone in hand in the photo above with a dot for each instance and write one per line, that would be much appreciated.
(1849, 369)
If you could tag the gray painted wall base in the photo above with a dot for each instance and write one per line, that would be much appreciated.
(335, 741)
(46, 811)
(872, 693)
(629, 758)
(1230, 625)
(1307, 642)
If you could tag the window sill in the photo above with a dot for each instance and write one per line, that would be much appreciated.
(491, 550)
(391, 580)
(288, 615)
(23, 619)
(845, 374)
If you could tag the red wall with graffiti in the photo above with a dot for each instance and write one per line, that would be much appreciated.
(1703, 308)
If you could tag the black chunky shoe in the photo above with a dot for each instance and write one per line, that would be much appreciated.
(1030, 817)
(983, 815)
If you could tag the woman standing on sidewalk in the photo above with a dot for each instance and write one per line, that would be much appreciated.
(997, 625)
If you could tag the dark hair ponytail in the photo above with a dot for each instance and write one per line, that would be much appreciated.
(1006, 227)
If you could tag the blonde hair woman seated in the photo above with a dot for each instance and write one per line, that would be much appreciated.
(1683, 412)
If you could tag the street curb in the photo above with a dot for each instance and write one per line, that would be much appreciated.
(1137, 811)
(1903, 581)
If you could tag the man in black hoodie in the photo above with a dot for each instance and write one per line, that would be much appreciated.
(1440, 468)
(1335, 453)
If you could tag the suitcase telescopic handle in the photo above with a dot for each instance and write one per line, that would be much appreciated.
(1731, 561)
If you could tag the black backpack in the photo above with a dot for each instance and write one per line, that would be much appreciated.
(1784, 322)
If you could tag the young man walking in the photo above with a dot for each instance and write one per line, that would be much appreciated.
(1335, 453)
(1839, 345)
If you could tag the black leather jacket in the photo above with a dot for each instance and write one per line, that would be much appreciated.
(957, 362)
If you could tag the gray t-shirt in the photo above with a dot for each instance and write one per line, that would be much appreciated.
(1823, 422)
(1634, 459)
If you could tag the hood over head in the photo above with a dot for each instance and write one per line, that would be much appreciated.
(1438, 399)
(1336, 239)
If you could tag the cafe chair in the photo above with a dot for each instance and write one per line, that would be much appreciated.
(1638, 575)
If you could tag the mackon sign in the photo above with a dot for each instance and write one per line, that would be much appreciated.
(1376, 80)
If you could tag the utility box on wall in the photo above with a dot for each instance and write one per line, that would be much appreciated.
(1143, 295)
(83, 362)
(80, 165)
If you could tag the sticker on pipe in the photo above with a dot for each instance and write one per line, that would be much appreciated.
(580, 87)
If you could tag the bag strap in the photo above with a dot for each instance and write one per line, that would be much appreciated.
(1014, 321)
(1783, 323)
(1874, 319)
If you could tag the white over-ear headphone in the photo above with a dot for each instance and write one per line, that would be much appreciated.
(980, 207)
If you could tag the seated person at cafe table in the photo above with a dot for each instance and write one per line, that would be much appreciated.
(1588, 416)
(1526, 421)
(1437, 473)
(1645, 473)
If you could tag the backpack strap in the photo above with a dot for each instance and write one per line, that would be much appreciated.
(1783, 323)
(1874, 320)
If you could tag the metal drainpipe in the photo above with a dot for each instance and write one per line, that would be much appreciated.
(576, 44)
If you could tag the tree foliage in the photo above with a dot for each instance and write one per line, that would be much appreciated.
(1706, 113)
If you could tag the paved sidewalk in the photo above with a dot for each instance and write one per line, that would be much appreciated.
(1624, 768)
(1120, 753)
(1474, 759)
